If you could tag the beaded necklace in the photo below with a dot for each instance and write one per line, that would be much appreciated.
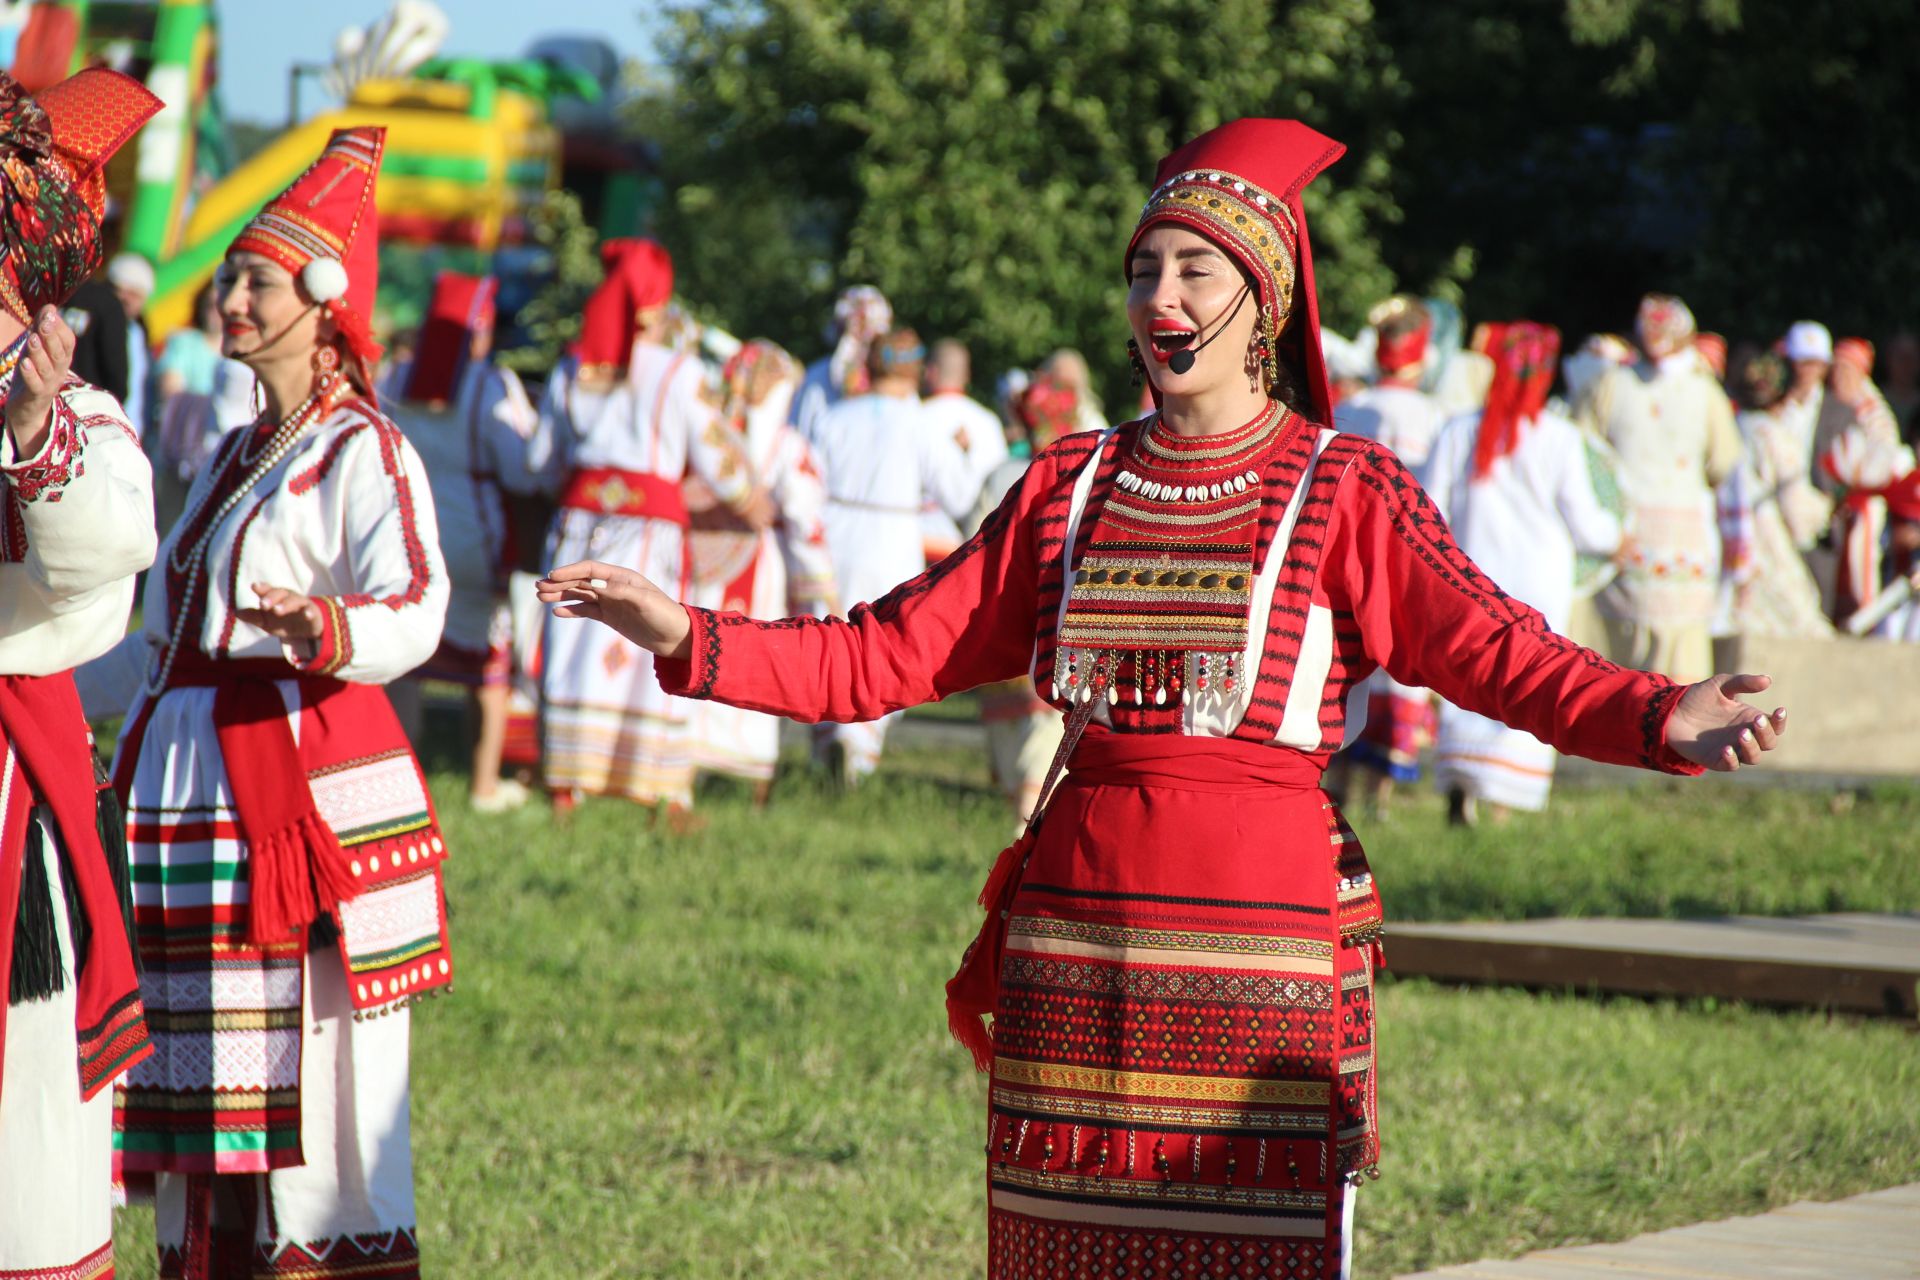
(1159, 602)
(187, 557)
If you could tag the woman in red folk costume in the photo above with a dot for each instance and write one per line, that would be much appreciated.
(286, 858)
(1201, 591)
(76, 525)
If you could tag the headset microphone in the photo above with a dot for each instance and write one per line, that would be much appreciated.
(1182, 360)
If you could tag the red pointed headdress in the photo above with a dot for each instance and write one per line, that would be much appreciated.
(1524, 355)
(325, 231)
(1239, 186)
(461, 307)
(639, 276)
(54, 150)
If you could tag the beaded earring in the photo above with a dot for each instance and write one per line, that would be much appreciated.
(1138, 365)
(326, 367)
(1269, 369)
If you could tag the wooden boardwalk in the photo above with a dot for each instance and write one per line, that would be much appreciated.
(1870, 1237)
(1857, 963)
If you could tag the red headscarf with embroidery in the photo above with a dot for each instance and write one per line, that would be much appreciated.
(1239, 186)
(53, 160)
(1406, 346)
(639, 277)
(1523, 355)
(1857, 352)
(461, 307)
(1049, 408)
(325, 230)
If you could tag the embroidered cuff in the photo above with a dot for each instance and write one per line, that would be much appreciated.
(331, 651)
(1655, 753)
(43, 476)
(693, 676)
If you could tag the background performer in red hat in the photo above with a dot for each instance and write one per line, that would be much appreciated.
(624, 420)
(76, 525)
(286, 854)
(1178, 962)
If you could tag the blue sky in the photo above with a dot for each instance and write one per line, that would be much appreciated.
(260, 39)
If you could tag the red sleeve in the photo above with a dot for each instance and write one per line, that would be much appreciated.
(965, 621)
(1431, 617)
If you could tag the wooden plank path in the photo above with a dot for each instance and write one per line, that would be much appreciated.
(1870, 1237)
(1855, 962)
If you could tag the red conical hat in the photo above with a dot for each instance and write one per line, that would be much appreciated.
(461, 306)
(1239, 186)
(53, 159)
(324, 229)
(639, 276)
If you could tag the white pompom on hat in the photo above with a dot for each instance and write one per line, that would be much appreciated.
(324, 279)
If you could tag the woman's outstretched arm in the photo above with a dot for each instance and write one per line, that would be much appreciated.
(1431, 617)
(965, 621)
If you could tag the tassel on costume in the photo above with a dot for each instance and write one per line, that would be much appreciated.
(111, 824)
(295, 874)
(37, 971)
(972, 990)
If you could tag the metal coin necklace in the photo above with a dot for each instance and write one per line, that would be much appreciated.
(1157, 607)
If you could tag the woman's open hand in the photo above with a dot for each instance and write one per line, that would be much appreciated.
(622, 599)
(1712, 727)
(284, 614)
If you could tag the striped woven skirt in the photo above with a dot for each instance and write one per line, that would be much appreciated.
(1183, 1076)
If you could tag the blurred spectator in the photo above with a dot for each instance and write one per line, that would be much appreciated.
(882, 468)
(1514, 485)
(1808, 348)
(1006, 395)
(1068, 368)
(191, 356)
(1672, 426)
(1859, 453)
(974, 429)
(132, 279)
(99, 324)
(1398, 414)
(860, 315)
(1900, 382)
(1712, 350)
(1775, 594)
(471, 421)
(764, 573)
(1023, 733)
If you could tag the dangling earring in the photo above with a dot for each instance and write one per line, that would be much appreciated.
(1133, 359)
(1269, 370)
(326, 367)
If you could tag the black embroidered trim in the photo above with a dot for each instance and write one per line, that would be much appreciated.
(1653, 721)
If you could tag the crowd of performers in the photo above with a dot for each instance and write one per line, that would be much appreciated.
(1177, 620)
(1665, 498)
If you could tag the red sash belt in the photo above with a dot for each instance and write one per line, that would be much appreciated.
(42, 723)
(296, 868)
(609, 491)
(1103, 758)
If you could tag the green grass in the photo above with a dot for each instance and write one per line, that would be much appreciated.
(727, 1055)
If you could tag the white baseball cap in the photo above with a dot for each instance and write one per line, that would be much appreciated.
(1809, 340)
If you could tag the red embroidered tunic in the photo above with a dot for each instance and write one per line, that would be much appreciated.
(1183, 1039)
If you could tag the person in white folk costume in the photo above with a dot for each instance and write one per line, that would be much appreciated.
(860, 314)
(1398, 414)
(76, 526)
(974, 429)
(286, 854)
(1672, 427)
(766, 573)
(1858, 452)
(623, 422)
(1778, 595)
(471, 420)
(1513, 483)
(883, 468)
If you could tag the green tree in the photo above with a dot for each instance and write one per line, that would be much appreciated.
(551, 319)
(983, 161)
